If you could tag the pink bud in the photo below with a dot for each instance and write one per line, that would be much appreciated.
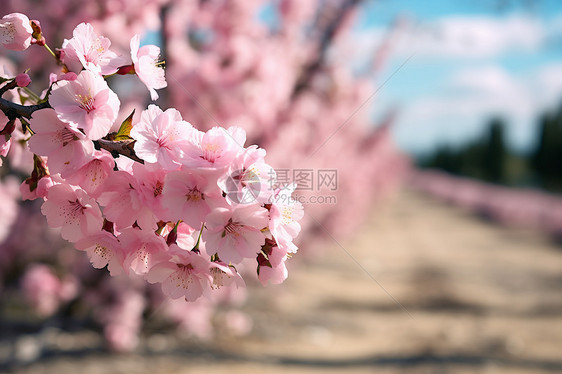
(36, 26)
(127, 69)
(23, 80)
(38, 37)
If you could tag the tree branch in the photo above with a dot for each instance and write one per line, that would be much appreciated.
(326, 40)
(119, 147)
(13, 110)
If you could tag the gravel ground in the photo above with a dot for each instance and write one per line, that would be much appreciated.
(423, 288)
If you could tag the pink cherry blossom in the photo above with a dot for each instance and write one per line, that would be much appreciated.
(5, 142)
(145, 61)
(20, 156)
(273, 275)
(185, 236)
(70, 76)
(249, 178)
(180, 218)
(44, 290)
(215, 149)
(285, 212)
(9, 212)
(188, 197)
(103, 249)
(65, 146)
(92, 175)
(185, 275)
(125, 164)
(72, 210)
(192, 318)
(160, 136)
(40, 286)
(143, 250)
(123, 202)
(235, 233)
(15, 31)
(224, 275)
(5, 139)
(86, 103)
(271, 264)
(41, 189)
(87, 49)
(122, 318)
(151, 185)
(238, 323)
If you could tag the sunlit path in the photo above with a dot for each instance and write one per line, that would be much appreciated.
(483, 299)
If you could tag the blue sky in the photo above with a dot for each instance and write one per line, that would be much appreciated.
(380, 12)
(471, 60)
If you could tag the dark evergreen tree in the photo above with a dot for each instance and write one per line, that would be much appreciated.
(488, 157)
(546, 159)
(495, 153)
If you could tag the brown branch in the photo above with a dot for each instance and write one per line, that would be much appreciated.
(119, 147)
(8, 86)
(13, 110)
(328, 36)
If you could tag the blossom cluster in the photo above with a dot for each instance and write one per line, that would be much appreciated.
(158, 198)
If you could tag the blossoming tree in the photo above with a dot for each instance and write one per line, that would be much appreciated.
(189, 207)
(165, 215)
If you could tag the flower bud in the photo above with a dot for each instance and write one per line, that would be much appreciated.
(37, 35)
(23, 80)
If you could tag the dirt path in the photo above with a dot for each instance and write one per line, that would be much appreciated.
(475, 298)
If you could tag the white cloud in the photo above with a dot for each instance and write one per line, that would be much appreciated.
(454, 37)
(471, 97)
(548, 82)
(466, 98)
(490, 80)
(474, 37)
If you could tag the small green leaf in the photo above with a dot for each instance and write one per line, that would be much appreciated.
(125, 129)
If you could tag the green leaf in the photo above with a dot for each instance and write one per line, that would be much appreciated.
(125, 129)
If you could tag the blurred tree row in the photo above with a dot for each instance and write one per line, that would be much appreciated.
(489, 158)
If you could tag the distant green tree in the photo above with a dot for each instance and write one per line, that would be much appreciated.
(482, 158)
(445, 158)
(495, 153)
(471, 159)
(489, 158)
(546, 159)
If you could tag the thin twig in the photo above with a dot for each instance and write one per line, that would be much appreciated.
(326, 40)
